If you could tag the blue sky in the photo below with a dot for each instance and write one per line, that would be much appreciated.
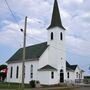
(75, 16)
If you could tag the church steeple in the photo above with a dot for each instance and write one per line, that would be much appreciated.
(56, 19)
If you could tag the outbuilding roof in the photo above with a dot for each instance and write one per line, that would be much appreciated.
(70, 67)
(47, 67)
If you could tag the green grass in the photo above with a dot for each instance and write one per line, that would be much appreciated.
(60, 89)
(18, 86)
(12, 85)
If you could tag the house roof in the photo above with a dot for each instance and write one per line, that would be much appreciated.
(32, 53)
(47, 67)
(70, 67)
(56, 19)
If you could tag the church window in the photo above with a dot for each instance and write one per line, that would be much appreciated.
(68, 75)
(61, 71)
(61, 36)
(31, 73)
(17, 71)
(11, 72)
(52, 75)
(76, 74)
(81, 74)
(51, 35)
(24, 70)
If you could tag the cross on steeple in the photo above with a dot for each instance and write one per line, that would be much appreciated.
(56, 19)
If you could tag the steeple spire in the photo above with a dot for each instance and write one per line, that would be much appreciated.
(56, 19)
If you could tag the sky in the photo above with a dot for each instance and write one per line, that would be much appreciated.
(75, 15)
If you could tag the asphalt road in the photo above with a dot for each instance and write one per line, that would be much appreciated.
(82, 88)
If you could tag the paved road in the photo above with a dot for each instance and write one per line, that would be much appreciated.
(58, 88)
(82, 88)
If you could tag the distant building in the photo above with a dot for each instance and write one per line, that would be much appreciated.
(46, 62)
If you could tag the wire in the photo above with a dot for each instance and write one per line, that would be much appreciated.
(15, 17)
(50, 45)
(37, 39)
(12, 13)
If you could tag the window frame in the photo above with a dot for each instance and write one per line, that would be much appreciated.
(68, 75)
(61, 36)
(76, 74)
(31, 71)
(52, 75)
(52, 36)
(17, 71)
(11, 72)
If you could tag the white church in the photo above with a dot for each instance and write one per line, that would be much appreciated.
(46, 62)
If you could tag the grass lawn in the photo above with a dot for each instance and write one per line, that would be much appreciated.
(60, 89)
(18, 86)
(12, 85)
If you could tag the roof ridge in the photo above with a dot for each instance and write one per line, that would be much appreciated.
(74, 65)
(35, 44)
(47, 66)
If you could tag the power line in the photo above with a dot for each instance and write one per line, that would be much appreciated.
(12, 13)
(50, 45)
(38, 40)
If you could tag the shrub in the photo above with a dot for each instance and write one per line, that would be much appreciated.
(32, 84)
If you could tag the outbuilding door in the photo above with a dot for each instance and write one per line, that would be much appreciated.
(61, 76)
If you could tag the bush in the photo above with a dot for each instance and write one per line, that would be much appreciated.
(32, 84)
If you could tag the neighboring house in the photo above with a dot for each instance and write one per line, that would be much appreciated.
(87, 79)
(45, 62)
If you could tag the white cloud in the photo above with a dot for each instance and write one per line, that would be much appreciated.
(75, 18)
(78, 45)
(11, 35)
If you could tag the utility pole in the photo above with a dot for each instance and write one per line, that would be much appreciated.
(23, 61)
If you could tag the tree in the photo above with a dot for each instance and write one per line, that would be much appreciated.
(3, 72)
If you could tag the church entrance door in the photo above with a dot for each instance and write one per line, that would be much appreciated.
(61, 76)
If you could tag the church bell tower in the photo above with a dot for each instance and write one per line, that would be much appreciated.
(56, 40)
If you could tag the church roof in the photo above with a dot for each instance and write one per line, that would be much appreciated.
(70, 67)
(56, 19)
(32, 53)
(47, 67)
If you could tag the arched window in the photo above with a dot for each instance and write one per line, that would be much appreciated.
(31, 71)
(76, 74)
(81, 74)
(61, 36)
(24, 70)
(51, 35)
(61, 71)
(11, 72)
(52, 75)
(17, 71)
(68, 75)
